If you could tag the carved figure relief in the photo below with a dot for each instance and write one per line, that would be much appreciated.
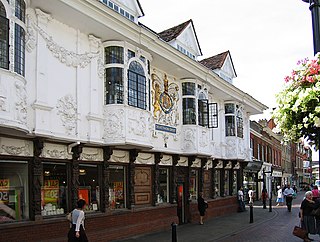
(3, 98)
(21, 103)
(91, 154)
(231, 148)
(113, 124)
(188, 139)
(55, 151)
(67, 109)
(137, 123)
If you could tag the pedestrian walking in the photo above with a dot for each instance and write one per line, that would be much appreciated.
(315, 192)
(264, 197)
(242, 206)
(202, 206)
(77, 231)
(288, 194)
(280, 199)
(251, 195)
(306, 217)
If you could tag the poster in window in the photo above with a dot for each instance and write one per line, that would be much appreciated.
(83, 193)
(50, 192)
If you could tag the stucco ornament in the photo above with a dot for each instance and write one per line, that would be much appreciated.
(21, 103)
(68, 57)
(298, 111)
(67, 109)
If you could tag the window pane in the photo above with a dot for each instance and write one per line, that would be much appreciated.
(203, 113)
(217, 183)
(136, 86)
(13, 192)
(20, 10)
(163, 196)
(239, 127)
(188, 88)
(113, 54)
(4, 43)
(230, 126)
(19, 50)
(189, 111)
(229, 108)
(89, 188)
(54, 189)
(117, 195)
(114, 86)
(193, 188)
(2, 11)
(131, 54)
(213, 115)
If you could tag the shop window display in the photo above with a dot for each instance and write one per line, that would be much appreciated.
(13, 191)
(89, 188)
(226, 183)
(117, 187)
(163, 196)
(54, 189)
(217, 183)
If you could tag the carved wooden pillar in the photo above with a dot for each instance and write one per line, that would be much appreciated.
(76, 152)
(131, 174)
(240, 173)
(156, 182)
(36, 171)
(107, 152)
(174, 175)
(203, 163)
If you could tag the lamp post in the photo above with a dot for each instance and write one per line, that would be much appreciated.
(315, 13)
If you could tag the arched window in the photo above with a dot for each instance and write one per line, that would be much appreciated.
(203, 110)
(4, 38)
(136, 85)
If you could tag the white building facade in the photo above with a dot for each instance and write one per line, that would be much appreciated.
(94, 105)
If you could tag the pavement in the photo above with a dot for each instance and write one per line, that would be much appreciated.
(275, 224)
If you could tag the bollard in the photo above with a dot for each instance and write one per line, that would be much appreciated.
(251, 213)
(174, 232)
(270, 205)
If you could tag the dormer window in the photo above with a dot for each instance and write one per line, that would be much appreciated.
(118, 9)
(186, 52)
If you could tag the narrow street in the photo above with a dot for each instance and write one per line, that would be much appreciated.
(274, 226)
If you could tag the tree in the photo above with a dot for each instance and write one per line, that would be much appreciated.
(298, 111)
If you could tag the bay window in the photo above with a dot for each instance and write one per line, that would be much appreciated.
(233, 120)
(136, 85)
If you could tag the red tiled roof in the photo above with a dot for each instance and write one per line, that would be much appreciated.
(215, 62)
(173, 32)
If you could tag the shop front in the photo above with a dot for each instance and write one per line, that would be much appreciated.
(251, 177)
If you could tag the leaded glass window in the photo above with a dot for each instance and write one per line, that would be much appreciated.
(189, 111)
(4, 38)
(114, 54)
(114, 85)
(136, 85)
(19, 50)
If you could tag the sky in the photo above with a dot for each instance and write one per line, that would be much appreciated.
(266, 39)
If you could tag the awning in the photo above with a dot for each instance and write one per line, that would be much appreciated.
(253, 166)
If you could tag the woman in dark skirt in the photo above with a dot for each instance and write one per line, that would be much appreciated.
(202, 205)
(77, 232)
(307, 219)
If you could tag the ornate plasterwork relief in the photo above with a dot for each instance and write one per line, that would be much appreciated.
(55, 151)
(69, 58)
(67, 109)
(3, 98)
(120, 156)
(137, 123)
(228, 165)
(16, 147)
(196, 163)
(91, 154)
(166, 160)
(183, 161)
(21, 103)
(231, 148)
(237, 166)
(204, 138)
(219, 165)
(145, 158)
(113, 124)
(208, 165)
(188, 139)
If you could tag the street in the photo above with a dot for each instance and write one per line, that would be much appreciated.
(275, 226)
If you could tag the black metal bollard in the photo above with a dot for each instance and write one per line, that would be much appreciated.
(270, 205)
(174, 231)
(251, 213)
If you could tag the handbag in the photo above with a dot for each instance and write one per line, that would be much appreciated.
(316, 212)
(299, 232)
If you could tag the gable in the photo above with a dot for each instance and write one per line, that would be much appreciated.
(228, 67)
(189, 40)
(132, 6)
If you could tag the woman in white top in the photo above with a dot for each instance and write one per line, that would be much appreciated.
(279, 196)
(77, 232)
